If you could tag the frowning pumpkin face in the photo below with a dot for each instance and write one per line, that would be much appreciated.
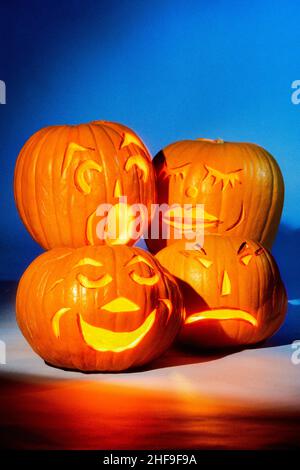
(231, 180)
(98, 308)
(77, 169)
(232, 291)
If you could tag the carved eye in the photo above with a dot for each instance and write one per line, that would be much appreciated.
(94, 284)
(83, 167)
(242, 247)
(81, 171)
(247, 253)
(142, 280)
(224, 178)
(85, 281)
(141, 163)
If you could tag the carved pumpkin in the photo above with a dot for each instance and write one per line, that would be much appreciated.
(239, 184)
(232, 291)
(98, 308)
(64, 173)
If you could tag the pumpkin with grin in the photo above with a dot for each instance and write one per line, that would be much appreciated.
(239, 184)
(64, 173)
(98, 308)
(232, 291)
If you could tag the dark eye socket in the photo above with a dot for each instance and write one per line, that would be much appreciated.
(245, 246)
(242, 247)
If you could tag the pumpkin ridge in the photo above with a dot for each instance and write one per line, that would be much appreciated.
(36, 183)
(59, 233)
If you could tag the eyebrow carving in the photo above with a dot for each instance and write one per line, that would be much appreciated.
(259, 251)
(242, 247)
(56, 283)
(69, 154)
(141, 163)
(178, 170)
(88, 262)
(128, 139)
(139, 259)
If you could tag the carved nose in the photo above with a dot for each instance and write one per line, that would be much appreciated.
(226, 284)
(120, 304)
(117, 189)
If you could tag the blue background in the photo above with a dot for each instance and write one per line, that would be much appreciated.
(168, 69)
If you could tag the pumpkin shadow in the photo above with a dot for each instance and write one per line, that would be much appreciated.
(182, 355)
(286, 251)
(185, 354)
(177, 355)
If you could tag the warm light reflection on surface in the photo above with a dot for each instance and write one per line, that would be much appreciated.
(97, 415)
(185, 399)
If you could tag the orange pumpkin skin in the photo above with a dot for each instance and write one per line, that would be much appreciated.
(232, 291)
(63, 173)
(239, 184)
(98, 308)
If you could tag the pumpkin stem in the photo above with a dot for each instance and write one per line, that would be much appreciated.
(213, 141)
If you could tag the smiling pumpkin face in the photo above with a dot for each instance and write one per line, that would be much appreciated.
(98, 308)
(232, 291)
(231, 180)
(63, 173)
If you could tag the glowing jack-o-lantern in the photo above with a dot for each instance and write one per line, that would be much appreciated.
(239, 184)
(64, 173)
(98, 308)
(232, 291)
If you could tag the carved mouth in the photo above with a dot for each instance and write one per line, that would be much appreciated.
(101, 339)
(185, 222)
(104, 340)
(189, 219)
(239, 220)
(222, 314)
